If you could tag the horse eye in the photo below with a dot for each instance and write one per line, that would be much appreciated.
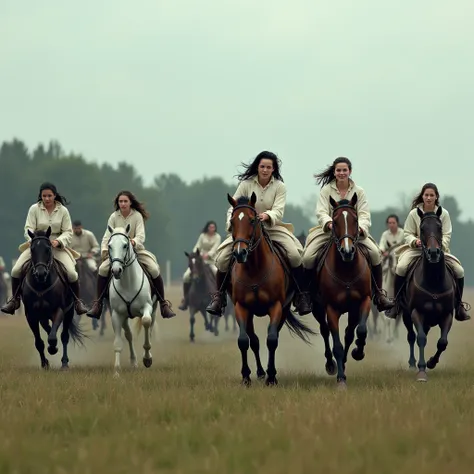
(125, 246)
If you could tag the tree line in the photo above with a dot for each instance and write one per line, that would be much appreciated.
(178, 209)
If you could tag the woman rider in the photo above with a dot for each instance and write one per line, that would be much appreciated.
(49, 211)
(207, 244)
(128, 210)
(336, 183)
(394, 234)
(263, 178)
(428, 201)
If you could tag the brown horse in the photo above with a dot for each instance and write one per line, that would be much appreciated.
(429, 297)
(260, 286)
(342, 284)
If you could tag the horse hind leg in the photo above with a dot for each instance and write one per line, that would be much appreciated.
(320, 316)
(255, 346)
(442, 342)
(349, 333)
(39, 344)
(192, 321)
(53, 335)
(338, 349)
(129, 337)
(361, 331)
(118, 344)
(243, 342)
(65, 342)
(421, 339)
(276, 318)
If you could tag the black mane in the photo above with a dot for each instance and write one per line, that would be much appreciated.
(243, 200)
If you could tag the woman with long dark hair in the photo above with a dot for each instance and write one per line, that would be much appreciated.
(263, 177)
(336, 182)
(428, 201)
(49, 211)
(128, 210)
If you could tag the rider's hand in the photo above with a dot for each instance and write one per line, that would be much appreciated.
(263, 216)
(133, 242)
(385, 254)
(205, 256)
(329, 225)
(418, 242)
(89, 255)
(55, 243)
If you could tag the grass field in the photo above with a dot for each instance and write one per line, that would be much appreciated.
(189, 414)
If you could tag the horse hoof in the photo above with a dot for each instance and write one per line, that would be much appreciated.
(216, 333)
(261, 375)
(191, 339)
(65, 367)
(357, 355)
(271, 382)
(431, 364)
(52, 350)
(45, 365)
(246, 382)
(116, 374)
(134, 364)
(421, 376)
(331, 368)
(147, 362)
(341, 385)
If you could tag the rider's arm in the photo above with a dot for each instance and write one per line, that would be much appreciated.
(240, 191)
(213, 251)
(106, 237)
(447, 228)
(139, 232)
(93, 243)
(30, 224)
(65, 238)
(323, 208)
(410, 230)
(383, 242)
(278, 208)
(363, 212)
(198, 244)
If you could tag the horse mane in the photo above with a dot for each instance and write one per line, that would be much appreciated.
(343, 202)
(243, 200)
(119, 230)
(40, 233)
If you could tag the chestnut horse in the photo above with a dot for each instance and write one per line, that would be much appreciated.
(342, 284)
(260, 286)
(429, 297)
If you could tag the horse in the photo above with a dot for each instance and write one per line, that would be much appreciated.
(342, 284)
(47, 297)
(130, 296)
(259, 285)
(3, 288)
(203, 282)
(428, 298)
(389, 264)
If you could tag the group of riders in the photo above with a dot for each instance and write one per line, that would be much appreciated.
(262, 177)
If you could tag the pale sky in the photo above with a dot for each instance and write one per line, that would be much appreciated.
(194, 87)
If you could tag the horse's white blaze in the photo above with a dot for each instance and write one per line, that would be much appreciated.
(241, 216)
(193, 260)
(346, 239)
(238, 247)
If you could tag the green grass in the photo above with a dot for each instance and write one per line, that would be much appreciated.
(189, 414)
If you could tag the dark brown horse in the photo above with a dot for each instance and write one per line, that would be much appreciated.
(203, 282)
(260, 286)
(47, 299)
(429, 297)
(342, 284)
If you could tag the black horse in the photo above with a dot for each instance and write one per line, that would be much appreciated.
(47, 298)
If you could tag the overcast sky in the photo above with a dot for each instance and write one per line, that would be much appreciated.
(194, 87)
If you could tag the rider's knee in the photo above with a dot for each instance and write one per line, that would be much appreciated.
(458, 271)
(72, 275)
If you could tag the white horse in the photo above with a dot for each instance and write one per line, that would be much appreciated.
(130, 296)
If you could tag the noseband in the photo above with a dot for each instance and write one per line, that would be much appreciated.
(252, 244)
(128, 260)
(337, 240)
(47, 265)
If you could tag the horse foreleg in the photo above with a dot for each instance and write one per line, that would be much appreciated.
(255, 346)
(275, 313)
(445, 327)
(421, 342)
(242, 315)
(320, 316)
(118, 345)
(147, 321)
(349, 334)
(411, 338)
(215, 325)
(65, 342)
(129, 337)
(361, 331)
(53, 335)
(192, 320)
(39, 344)
(338, 350)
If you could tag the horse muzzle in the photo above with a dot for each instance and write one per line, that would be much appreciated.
(433, 254)
(117, 271)
(241, 255)
(347, 256)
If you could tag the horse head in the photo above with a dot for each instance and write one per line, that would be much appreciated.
(431, 234)
(120, 250)
(345, 227)
(41, 254)
(245, 226)
(196, 264)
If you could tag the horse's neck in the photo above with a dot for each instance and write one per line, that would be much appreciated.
(434, 274)
(261, 254)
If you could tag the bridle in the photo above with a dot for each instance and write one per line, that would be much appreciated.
(424, 245)
(338, 240)
(251, 243)
(128, 259)
(46, 265)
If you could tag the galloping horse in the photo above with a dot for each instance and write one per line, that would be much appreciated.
(47, 297)
(428, 298)
(130, 295)
(389, 264)
(259, 286)
(203, 282)
(342, 284)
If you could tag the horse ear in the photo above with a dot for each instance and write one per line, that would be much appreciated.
(127, 229)
(354, 200)
(439, 211)
(332, 202)
(231, 200)
(110, 229)
(48, 232)
(186, 253)
(419, 212)
(253, 199)
(31, 234)
(198, 252)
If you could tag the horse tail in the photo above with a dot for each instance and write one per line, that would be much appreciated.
(297, 328)
(76, 333)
